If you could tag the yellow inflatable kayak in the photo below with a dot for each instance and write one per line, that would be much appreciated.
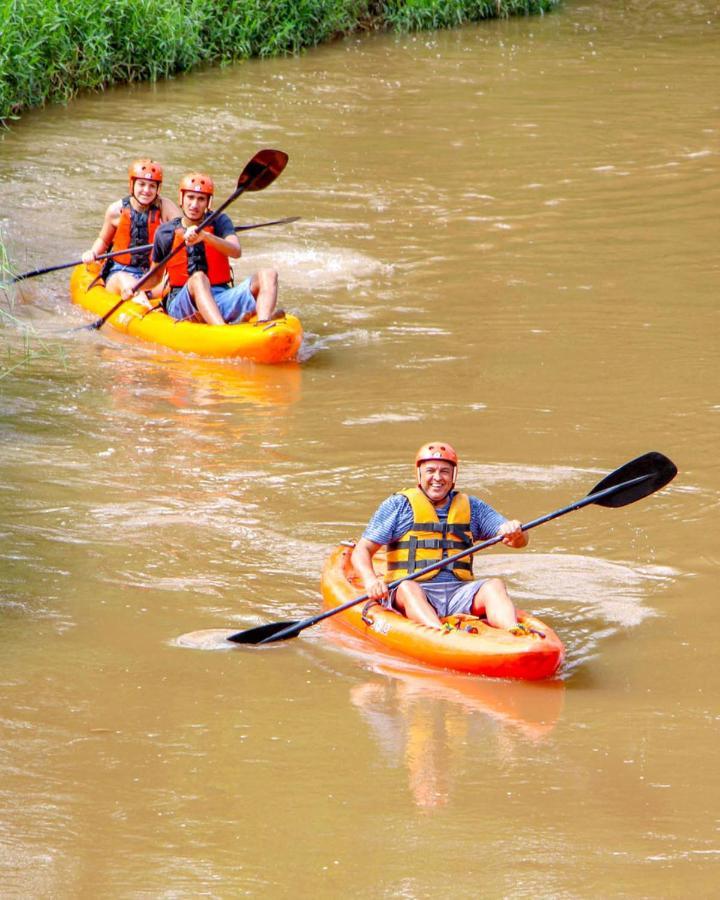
(270, 342)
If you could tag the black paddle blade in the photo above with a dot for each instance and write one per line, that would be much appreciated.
(652, 469)
(259, 634)
(262, 170)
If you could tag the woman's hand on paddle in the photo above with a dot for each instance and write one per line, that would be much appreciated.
(88, 257)
(512, 534)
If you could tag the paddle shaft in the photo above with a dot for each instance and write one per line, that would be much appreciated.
(111, 254)
(237, 228)
(71, 265)
(441, 564)
(95, 280)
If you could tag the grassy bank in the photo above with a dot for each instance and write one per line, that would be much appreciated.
(51, 49)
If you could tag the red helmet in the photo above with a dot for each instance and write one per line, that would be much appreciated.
(196, 181)
(147, 169)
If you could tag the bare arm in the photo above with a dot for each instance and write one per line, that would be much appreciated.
(169, 210)
(362, 555)
(228, 246)
(107, 233)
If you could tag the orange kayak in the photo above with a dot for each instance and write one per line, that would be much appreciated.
(271, 342)
(465, 644)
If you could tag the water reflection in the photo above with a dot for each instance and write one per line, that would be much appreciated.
(187, 383)
(424, 720)
(212, 405)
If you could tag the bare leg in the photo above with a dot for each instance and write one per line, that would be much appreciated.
(119, 281)
(493, 600)
(199, 289)
(413, 603)
(264, 287)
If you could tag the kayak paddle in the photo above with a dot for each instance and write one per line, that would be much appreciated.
(114, 253)
(636, 479)
(260, 172)
(71, 265)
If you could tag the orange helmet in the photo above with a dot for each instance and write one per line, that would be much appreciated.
(147, 169)
(196, 181)
(437, 450)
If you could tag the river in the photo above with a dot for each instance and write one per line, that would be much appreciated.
(509, 241)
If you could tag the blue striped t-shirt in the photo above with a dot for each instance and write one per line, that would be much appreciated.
(394, 517)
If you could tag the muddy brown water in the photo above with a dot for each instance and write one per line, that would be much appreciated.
(508, 239)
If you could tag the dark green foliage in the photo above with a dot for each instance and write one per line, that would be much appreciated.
(50, 49)
(418, 15)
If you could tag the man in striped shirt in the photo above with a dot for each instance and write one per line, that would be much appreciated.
(428, 523)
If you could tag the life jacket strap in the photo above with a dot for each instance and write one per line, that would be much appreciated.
(423, 563)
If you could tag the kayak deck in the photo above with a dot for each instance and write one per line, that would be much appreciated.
(465, 644)
(268, 342)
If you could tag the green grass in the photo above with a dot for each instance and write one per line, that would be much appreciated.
(51, 49)
(419, 15)
(24, 344)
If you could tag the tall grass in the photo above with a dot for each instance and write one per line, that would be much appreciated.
(25, 344)
(419, 15)
(51, 49)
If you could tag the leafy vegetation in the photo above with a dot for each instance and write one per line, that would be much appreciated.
(51, 49)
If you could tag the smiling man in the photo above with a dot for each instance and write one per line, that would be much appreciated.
(199, 275)
(427, 523)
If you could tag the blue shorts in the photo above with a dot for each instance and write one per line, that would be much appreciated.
(233, 302)
(448, 598)
(115, 268)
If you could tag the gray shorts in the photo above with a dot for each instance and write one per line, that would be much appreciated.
(447, 598)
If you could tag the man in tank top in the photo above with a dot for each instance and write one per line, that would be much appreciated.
(432, 522)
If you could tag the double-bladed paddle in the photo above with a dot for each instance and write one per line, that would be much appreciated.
(287, 221)
(113, 253)
(260, 172)
(636, 479)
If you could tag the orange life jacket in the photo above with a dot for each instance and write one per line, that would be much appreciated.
(430, 540)
(134, 230)
(201, 257)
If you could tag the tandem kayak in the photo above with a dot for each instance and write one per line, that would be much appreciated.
(268, 342)
(465, 644)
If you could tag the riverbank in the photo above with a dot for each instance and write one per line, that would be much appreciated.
(52, 49)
